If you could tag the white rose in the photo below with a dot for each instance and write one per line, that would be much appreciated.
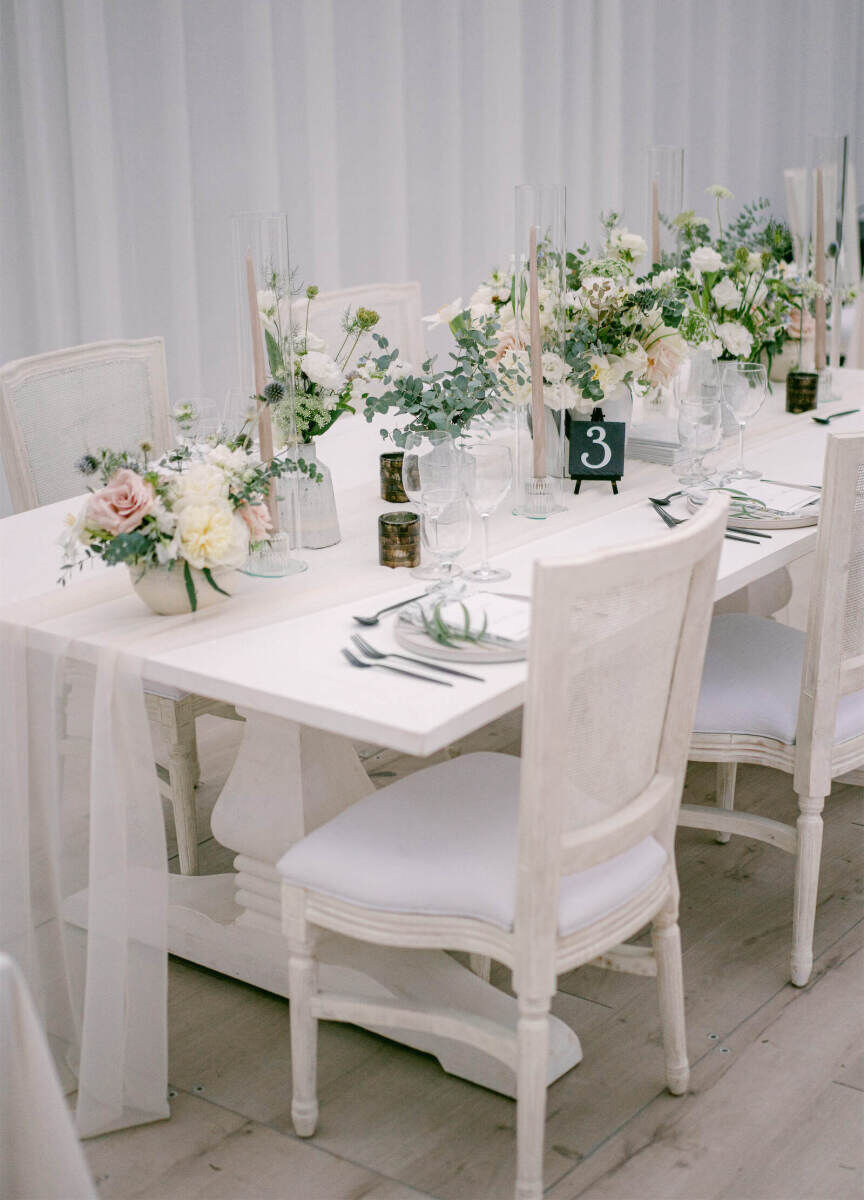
(555, 369)
(323, 370)
(483, 295)
(202, 483)
(623, 242)
(726, 294)
(735, 338)
(705, 258)
(445, 314)
(754, 262)
(212, 535)
(559, 396)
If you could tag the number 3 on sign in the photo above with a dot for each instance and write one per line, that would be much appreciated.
(597, 434)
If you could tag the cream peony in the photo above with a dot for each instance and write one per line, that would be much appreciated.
(202, 483)
(666, 354)
(726, 294)
(705, 258)
(323, 370)
(212, 535)
(229, 460)
(735, 338)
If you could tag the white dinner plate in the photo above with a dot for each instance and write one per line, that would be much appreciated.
(415, 639)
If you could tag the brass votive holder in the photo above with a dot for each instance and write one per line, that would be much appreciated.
(801, 390)
(391, 478)
(399, 539)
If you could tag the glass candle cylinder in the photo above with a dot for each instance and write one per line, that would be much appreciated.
(829, 162)
(399, 539)
(538, 303)
(392, 490)
(265, 360)
(664, 200)
(801, 391)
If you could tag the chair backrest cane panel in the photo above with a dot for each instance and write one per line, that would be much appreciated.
(54, 407)
(617, 645)
(834, 651)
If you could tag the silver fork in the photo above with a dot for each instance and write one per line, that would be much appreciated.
(358, 662)
(370, 652)
(672, 522)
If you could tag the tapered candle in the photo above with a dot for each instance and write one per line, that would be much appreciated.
(655, 222)
(538, 412)
(265, 425)
(819, 275)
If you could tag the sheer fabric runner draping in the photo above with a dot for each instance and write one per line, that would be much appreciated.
(88, 846)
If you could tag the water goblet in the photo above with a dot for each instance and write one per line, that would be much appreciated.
(488, 477)
(700, 423)
(745, 385)
(446, 532)
(430, 462)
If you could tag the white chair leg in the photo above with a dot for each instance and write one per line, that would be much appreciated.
(666, 940)
(182, 765)
(531, 1083)
(481, 965)
(303, 982)
(726, 773)
(806, 886)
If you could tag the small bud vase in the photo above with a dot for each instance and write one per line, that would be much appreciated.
(163, 589)
(319, 521)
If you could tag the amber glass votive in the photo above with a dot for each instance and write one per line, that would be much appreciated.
(801, 389)
(391, 478)
(399, 539)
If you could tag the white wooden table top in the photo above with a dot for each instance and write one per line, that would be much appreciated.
(284, 658)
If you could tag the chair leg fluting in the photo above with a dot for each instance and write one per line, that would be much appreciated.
(806, 886)
(666, 940)
(726, 773)
(531, 1083)
(303, 982)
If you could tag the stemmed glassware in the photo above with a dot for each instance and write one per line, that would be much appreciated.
(431, 464)
(446, 532)
(488, 478)
(745, 385)
(700, 424)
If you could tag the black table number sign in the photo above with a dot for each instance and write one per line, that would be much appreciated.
(596, 449)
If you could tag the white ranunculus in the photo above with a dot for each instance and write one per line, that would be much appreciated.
(555, 369)
(203, 483)
(621, 242)
(754, 262)
(445, 313)
(735, 338)
(323, 370)
(705, 258)
(212, 535)
(725, 293)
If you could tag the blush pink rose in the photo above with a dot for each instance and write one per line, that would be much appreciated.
(122, 504)
(794, 325)
(257, 518)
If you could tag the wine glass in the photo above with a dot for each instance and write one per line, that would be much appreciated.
(488, 477)
(430, 462)
(700, 424)
(745, 385)
(446, 532)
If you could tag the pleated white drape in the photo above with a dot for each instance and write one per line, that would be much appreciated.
(392, 131)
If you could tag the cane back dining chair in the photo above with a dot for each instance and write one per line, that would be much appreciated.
(778, 697)
(545, 867)
(53, 408)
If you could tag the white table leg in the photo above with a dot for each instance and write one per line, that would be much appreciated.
(287, 780)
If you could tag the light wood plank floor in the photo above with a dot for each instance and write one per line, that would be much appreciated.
(775, 1110)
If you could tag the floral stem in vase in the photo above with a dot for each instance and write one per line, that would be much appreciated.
(265, 425)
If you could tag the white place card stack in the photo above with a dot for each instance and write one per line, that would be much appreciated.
(656, 441)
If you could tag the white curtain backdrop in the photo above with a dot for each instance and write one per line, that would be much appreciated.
(392, 131)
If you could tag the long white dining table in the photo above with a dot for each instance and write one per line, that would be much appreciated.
(306, 707)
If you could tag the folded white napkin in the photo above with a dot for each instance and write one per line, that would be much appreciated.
(507, 620)
(777, 497)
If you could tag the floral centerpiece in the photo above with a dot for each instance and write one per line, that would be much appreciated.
(739, 283)
(323, 389)
(181, 523)
(446, 401)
